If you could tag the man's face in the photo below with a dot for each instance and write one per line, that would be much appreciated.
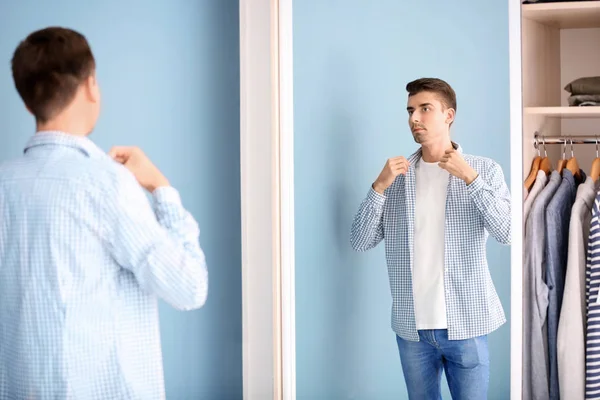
(428, 119)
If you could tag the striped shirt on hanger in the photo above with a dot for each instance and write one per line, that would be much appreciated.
(592, 352)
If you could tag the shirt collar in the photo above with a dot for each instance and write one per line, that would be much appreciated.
(83, 144)
(417, 154)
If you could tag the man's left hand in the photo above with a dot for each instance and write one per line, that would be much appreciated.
(453, 162)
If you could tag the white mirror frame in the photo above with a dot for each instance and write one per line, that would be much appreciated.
(267, 190)
(516, 188)
(267, 198)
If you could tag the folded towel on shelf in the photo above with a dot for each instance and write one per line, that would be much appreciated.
(584, 86)
(581, 100)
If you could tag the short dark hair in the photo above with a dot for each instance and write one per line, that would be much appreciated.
(48, 66)
(434, 85)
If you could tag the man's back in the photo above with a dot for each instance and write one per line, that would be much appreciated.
(82, 258)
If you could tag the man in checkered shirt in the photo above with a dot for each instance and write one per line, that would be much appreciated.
(435, 211)
(84, 256)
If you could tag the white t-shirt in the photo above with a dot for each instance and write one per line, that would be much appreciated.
(428, 266)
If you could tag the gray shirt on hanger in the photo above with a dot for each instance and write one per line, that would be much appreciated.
(535, 297)
(540, 183)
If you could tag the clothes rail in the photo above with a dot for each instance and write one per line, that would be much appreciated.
(540, 140)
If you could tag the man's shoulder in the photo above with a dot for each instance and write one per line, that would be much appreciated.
(114, 177)
(10, 163)
(478, 158)
(481, 161)
(98, 173)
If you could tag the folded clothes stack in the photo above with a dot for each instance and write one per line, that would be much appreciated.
(584, 91)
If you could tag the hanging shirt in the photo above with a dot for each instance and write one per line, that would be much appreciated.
(558, 214)
(535, 297)
(592, 351)
(570, 342)
(540, 182)
(430, 224)
(83, 258)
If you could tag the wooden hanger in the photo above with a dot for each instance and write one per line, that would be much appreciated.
(563, 161)
(573, 166)
(545, 163)
(595, 170)
(536, 165)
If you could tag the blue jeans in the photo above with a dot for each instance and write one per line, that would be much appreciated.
(466, 363)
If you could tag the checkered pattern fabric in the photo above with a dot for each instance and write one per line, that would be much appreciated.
(473, 212)
(83, 258)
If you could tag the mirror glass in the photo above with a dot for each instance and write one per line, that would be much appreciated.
(83, 251)
(399, 290)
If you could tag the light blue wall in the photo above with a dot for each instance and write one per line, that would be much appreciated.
(352, 60)
(169, 73)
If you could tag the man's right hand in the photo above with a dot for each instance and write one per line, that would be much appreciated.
(393, 167)
(134, 159)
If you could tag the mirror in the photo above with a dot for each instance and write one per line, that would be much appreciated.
(362, 114)
(83, 254)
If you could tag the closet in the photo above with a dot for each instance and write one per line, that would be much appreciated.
(560, 57)
(560, 43)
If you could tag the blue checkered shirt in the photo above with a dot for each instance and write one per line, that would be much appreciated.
(83, 258)
(472, 213)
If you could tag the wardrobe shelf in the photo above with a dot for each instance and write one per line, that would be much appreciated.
(565, 15)
(564, 112)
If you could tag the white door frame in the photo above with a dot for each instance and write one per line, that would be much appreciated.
(516, 187)
(267, 199)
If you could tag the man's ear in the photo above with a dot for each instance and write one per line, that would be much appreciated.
(450, 112)
(92, 91)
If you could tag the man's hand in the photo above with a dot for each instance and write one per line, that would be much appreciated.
(134, 159)
(393, 167)
(457, 166)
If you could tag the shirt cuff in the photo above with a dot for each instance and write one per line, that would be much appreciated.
(375, 198)
(166, 194)
(476, 185)
(167, 206)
